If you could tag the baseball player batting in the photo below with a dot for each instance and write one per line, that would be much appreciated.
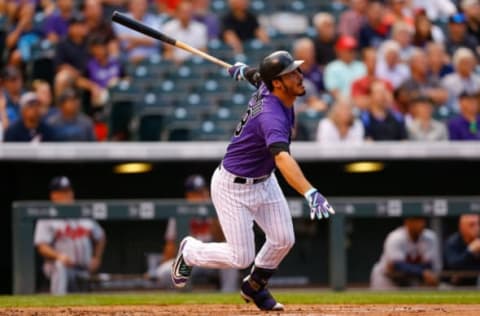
(244, 187)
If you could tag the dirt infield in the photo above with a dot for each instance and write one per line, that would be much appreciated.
(218, 309)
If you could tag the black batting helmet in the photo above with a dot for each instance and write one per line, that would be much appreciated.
(276, 64)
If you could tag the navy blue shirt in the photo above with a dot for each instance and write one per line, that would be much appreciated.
(458, 257)
(18, 132)
(392, 127)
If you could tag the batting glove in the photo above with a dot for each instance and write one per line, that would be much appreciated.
(237, 71)
(319, 206)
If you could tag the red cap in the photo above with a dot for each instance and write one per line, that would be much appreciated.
(345, 42)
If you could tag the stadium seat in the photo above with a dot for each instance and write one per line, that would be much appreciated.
(213, 90)
(150, 125)
(225, 118)
(125, 91)
(120, 116)
(443, 113)
(209, 131)
(180, 130)
(154, 100)
(307, 123)
(220, 50)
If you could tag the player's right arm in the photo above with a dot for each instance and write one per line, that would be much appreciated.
(291, 172)
(43, 237)
(47, 251)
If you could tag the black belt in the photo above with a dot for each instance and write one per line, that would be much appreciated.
(242, 180)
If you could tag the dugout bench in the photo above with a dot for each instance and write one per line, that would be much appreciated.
(25, 213)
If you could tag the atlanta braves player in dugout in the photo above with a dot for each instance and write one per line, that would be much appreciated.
(244, 187)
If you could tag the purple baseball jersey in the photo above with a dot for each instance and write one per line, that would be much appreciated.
(103, 74)
(266, 121)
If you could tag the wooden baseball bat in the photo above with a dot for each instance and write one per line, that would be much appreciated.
(140, 27)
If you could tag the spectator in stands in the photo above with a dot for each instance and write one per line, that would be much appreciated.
(410, 257)
(380, 121)
(374, 31)
(398, 12)
(340, 125)
(109, 6)
(340, 73)
(325, 39)
(458, 36)
(102, 69)
(47, 7)
(438, 60)
(240, 25)
(44, 94)
(466, 125)
(303, 49)
(462, 250)
(98, 26)
(471, 9)
(187, 30)
(12, 81)
(389, 66)
(421, 83)
(352, 19)
(167, 7)
(56, 25)
(3, 115)
(134, 45)
(30, 127)
(72, 249)
(204, 229)
(421, 126)
(21, 36)
(361, 87)
(425, 31)
(71, 62)
(69, 124)
(202, 14)
(436, 9)
(464, 78)
(402, 33)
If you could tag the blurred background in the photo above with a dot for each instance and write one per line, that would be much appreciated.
(392, 82)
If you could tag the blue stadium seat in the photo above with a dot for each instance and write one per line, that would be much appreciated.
(120, 116)
(209, 131)
(125, 91)
(307, 123)
(180, 130)
(443, 113)
(150, 125)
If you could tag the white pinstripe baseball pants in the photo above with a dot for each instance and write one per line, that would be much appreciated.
(237, 206)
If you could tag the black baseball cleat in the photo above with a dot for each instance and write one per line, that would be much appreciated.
(180, 270)
(261, 297)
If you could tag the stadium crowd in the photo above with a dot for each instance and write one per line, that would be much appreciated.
(374, 70)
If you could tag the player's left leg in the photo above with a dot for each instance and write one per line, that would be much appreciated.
(58, 275)
(275, 220)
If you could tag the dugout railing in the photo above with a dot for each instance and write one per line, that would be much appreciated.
(25, 213)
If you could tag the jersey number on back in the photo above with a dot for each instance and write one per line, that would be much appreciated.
(243, 121)
(252, 111)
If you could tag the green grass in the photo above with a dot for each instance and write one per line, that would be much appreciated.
(287, 297)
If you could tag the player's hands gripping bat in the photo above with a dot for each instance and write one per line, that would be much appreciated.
(319, 206)
(240, 71)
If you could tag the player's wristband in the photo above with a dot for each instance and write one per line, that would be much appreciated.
(309, 192)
